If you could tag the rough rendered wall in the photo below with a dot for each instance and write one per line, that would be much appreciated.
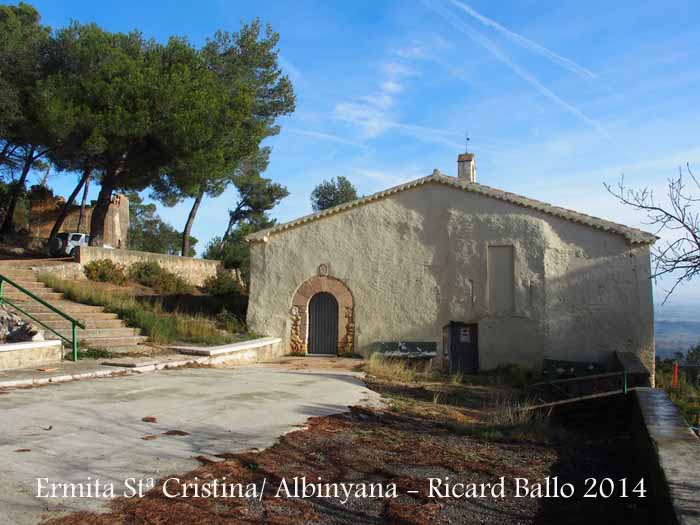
(418, 259)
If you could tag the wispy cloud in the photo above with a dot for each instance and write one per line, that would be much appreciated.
(372, 112)
(501, 56)
(328, 137)
(526, 43)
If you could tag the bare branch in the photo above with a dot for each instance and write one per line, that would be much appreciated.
(680, 256)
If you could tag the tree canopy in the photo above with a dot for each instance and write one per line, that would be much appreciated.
(131, 113)
(149, 233)
(332, 193)
(254, 93)
(234, 253)
(24, 137)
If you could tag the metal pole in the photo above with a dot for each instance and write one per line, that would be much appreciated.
(75, 344)
(624, 382)
(2, 285)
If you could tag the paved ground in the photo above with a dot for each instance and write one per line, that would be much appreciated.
(78, 432)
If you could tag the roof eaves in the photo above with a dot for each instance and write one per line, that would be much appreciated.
(632, 235)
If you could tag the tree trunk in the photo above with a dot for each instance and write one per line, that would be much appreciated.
(82, 203)
(188, 225)
(8, 223)
(234, 217)
(67, 206)
(4, 153)
(99, 213)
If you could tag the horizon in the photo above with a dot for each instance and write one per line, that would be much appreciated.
(557, 100)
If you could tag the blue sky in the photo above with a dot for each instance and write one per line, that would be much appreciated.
(557, 97)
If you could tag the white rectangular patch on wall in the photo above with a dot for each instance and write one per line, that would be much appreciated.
(501, 277)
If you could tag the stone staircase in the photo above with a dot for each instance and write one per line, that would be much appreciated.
(103, 330)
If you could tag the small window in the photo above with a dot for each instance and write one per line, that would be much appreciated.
(75, 237)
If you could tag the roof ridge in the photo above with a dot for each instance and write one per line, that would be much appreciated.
(633, 235)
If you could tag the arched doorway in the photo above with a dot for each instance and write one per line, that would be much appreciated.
(323, 324)
(300, 313)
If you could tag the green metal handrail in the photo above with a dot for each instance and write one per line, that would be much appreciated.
(73, 342)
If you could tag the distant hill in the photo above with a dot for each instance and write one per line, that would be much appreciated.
(675, 336)
(677, 328)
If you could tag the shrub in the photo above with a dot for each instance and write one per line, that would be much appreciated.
(222, 284)
(230, 321)
(105, 271)
(146, 273)
(151, 274)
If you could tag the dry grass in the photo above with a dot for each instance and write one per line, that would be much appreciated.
(160, 326)
(400, 370)
(510, 409)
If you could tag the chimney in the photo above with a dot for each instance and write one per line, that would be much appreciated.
(466, 167)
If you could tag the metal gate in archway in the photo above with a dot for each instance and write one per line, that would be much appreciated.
(323, 324)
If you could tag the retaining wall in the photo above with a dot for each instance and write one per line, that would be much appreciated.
(29, 354)
(672, 455)
(194, 271)
(243, 353)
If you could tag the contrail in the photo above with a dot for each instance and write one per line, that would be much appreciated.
(526, 43)
(324, 136)
(528, 77)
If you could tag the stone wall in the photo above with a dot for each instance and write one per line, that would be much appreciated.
(32, 353)
(670, 453)
(194, 271)
(243, 353)
(72, 271)
(416, 260)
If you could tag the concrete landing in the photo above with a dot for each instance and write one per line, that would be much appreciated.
(149, 426)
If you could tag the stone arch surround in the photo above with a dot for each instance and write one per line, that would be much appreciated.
(300, 313)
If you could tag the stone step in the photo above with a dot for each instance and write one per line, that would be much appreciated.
(62, 324)
(129, 349)
(81, 316)
(66, 306)
(46, 294)
(26, 283)
(99, 333)
(112, 342)
(18, 275)
(36, 290)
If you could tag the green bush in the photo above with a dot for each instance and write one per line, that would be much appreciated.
(146, 273)
(230, 322)
(105, 271)
(224, 283)
(151, 274)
